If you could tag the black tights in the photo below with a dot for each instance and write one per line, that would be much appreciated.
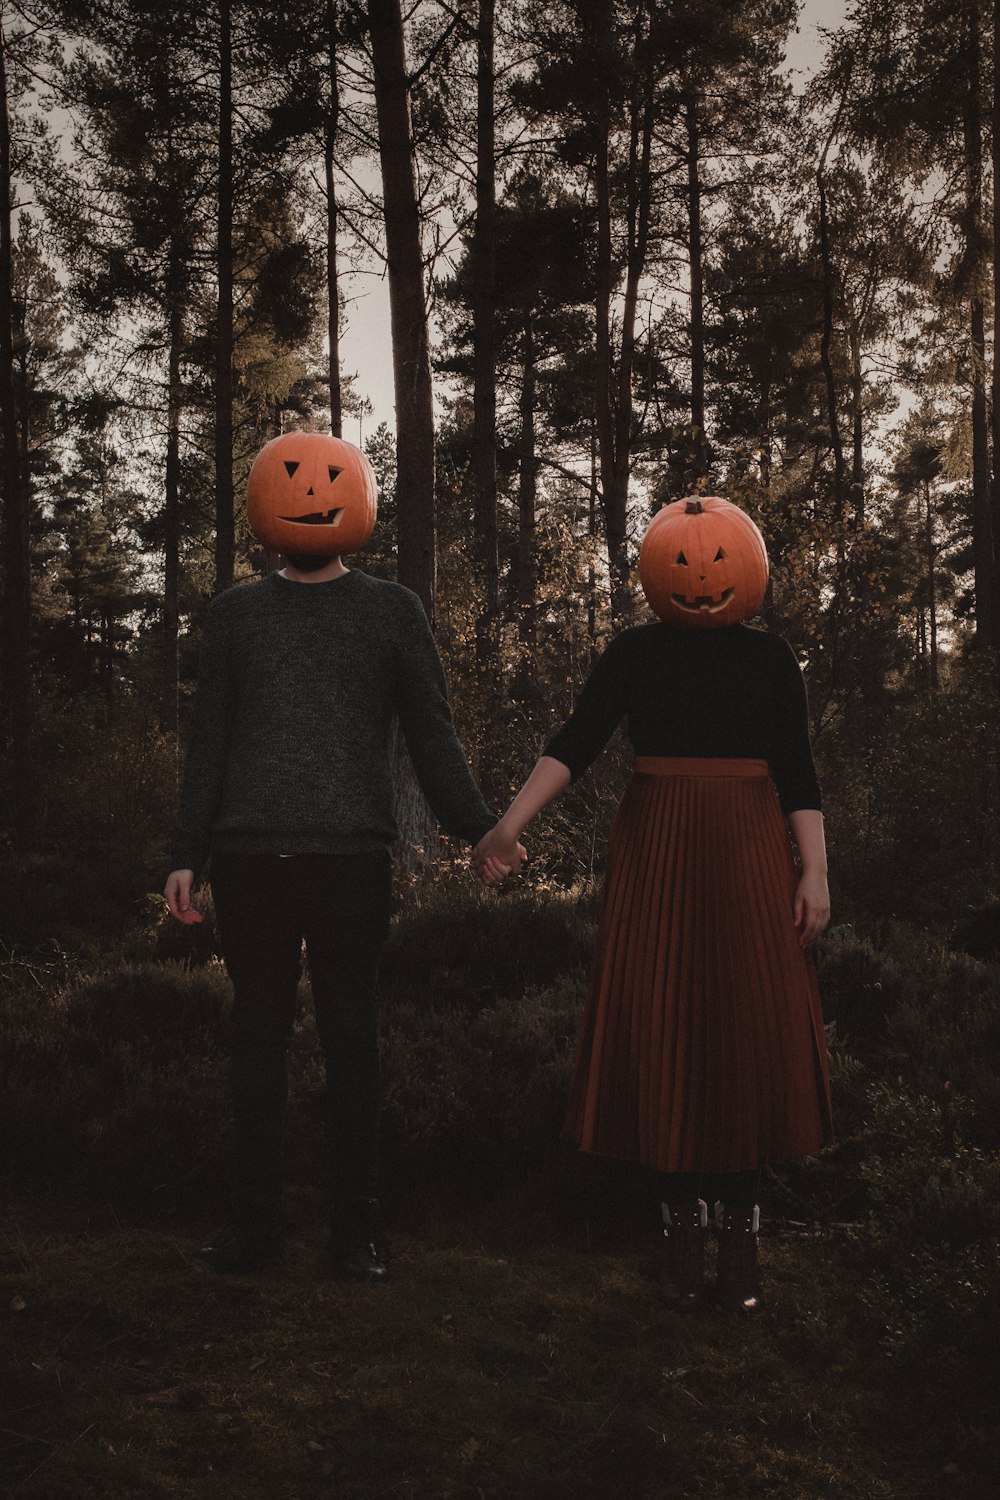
(734, 1189)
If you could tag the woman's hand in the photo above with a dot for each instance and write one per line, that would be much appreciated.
(812, 906)
(497, 854)
(178, 896)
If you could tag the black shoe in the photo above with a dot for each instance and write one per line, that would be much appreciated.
(237, 1250)
(358, 1263)
(353, 1253)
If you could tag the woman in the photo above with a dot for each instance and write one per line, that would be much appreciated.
(702, 1050)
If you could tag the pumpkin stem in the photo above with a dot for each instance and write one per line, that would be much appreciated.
(693, 508)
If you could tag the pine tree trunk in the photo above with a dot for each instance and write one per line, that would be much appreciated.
(484, 448)
(920, 666)
(592, 503)
(526, 504)
(407, 305)
(172, 505)
(982, 520)
(929, 555)
(16, 541)
(826, 362)
(614, 519)
(613, 394)
(995, 492)
(983, 556)
(699, 459)
(484, 445)
(332, 271)
(857, 426)
(224, 512)
(411, 377)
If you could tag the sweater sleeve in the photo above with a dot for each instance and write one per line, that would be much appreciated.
(422, 705)
(791, 754)
(208, 745)
(600, 708)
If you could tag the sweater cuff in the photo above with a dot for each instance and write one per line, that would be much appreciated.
(478, 829)
(188, 858)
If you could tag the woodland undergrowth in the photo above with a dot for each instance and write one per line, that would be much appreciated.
(516, 1262)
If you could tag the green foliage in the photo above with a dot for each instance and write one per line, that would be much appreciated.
(113, 1083)
(48, 901)
(861, 987)
(107, 1087)
(102, 822)
(486, 1090)
(913, 800)
(931, 1254)
(917, 1103)
(154, 1006)
(117, 1080)
(460, 947)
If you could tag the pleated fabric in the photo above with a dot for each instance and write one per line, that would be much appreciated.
(702, 1046)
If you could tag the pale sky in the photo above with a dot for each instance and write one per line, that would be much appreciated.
(366, 348)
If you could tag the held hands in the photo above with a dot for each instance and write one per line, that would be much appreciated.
(497, 855)
(178, 896)
(812, 907)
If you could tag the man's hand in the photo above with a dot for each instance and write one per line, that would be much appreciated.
(496, 855)
(178, 895)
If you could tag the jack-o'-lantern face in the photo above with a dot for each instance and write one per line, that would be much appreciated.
(311, 493)
(703, 564)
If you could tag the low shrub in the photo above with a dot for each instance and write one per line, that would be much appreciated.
(161, 1006)
(457, 944)
(483, 1087)
(861, 986)
(944, 1039)
(116, 1084)
(49, 902)
(929, 1259)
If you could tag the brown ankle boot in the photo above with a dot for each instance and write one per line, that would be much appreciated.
(684, 1256)
(738, 1284)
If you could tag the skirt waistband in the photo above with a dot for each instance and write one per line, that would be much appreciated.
(690, 765)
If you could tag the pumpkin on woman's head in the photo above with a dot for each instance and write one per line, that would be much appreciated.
(703, 564)
(311, 494)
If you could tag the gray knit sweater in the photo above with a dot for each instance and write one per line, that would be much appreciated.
(297, 689)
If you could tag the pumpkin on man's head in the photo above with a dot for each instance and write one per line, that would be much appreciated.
(311, 494)
(703, 564)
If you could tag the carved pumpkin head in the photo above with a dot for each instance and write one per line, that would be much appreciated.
(703, 564)
(313, 494)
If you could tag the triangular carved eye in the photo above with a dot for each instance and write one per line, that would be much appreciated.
(720, 556)
(682, 559)
(333, 472)
(291, 467)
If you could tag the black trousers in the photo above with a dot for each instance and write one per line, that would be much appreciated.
(266, 905)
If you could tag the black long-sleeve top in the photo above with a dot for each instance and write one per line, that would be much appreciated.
(735, 693)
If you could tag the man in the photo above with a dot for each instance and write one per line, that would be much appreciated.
(288, 786)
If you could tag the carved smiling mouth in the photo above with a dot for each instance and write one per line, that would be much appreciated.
(317, 517)
(705, 601)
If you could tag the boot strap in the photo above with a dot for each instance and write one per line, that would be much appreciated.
(720, 1216)
(701, 1205)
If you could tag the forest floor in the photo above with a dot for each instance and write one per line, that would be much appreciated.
(515, 1351)
(519, 1348)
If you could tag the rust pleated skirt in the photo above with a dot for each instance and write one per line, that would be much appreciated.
(702, 1046)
